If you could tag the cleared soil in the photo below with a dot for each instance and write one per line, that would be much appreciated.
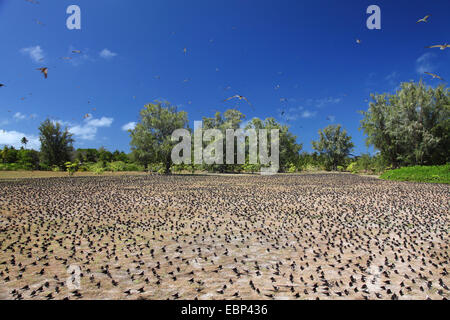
(327, 236)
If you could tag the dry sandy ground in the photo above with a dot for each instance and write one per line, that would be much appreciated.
(327, 236)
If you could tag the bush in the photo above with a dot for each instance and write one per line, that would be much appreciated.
(71, 167)
(352, 167)
(11, 167)
(133, 167)
(97, 168)
(116, 166)
(292, 168)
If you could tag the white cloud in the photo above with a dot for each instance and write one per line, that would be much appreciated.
(107, 54)
(293, 114)
(424, 63)
(102, 122)
(13, 138)
(324, 101)
(308, 114)
(129, 126)
(19, 116)
(35, 53)
(88, 130)
(331, 118)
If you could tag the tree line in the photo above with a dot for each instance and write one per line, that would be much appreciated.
(410, 127)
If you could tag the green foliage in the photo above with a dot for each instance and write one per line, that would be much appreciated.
(289, 148)
(86, 155)
(435, 174)
(334, 144)
(151, 138)
(410, 127)
(292, 168)
(11, 167)
(71, 167)
(231, 119)
(116, 166)
(104, 155)
(97, 168)
(353, 167)
(28, 159)
(56, 144)
(368, 164)
(9, 155)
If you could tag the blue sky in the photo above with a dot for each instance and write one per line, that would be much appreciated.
(297, 56)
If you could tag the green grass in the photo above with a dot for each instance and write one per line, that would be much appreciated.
(435, 174)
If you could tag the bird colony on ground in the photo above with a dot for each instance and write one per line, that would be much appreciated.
(326, 236)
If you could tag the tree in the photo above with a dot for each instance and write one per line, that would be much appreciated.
(231, 119)
(410, 127)
(334, 144)
(151, 137)
(104, 155)
(28, 159)
(56, 144)
(24, 141)
(9, 154)
(289, 148)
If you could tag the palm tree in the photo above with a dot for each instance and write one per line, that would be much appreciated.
(24, 141)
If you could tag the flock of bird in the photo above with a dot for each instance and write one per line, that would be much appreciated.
(319, 236)
(44, 70)
(440, 46)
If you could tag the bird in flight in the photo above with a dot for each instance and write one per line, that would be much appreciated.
(424, 19)
(184, 50)
(40, 22)
(440, 46)
(358, 41)
(76, 51)
(66, 58)
(44, 71)
(1, 85)
(87, 115)
(435, 76)
(240, 98)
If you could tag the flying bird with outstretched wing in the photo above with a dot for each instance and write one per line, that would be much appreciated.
(424, 19)
(435, 76)
(44, 71)
(440, 46)
(239, 97)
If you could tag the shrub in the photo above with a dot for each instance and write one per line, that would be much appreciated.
(116, 166)
(133, 167)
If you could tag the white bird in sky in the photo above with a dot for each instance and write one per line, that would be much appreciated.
(435, 76)
(424, 19)
(240, 98)
(440, 46)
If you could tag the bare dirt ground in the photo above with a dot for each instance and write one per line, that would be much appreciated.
(327, 236)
